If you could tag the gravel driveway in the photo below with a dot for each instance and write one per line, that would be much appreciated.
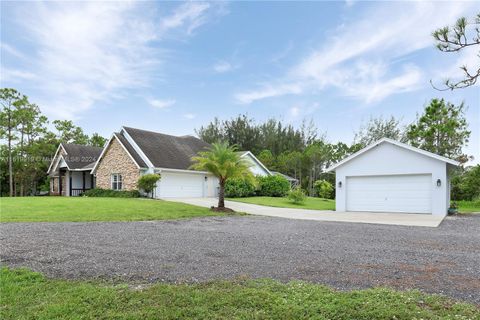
(343, 255)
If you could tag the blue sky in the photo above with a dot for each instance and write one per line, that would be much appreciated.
(173, 66)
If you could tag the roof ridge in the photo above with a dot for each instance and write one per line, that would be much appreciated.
(160, 133)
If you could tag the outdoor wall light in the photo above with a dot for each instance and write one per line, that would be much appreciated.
(339, 184)
(439, 182)
(206, 178)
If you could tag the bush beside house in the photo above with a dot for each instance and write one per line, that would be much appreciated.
(148, 182)
(324, 189)
(297, 195)
(97, 192)
(239, 188)
(273, 186)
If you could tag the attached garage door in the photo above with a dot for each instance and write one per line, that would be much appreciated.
(395, 193)
(177, 185)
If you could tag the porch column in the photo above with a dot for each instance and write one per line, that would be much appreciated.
(68, 184)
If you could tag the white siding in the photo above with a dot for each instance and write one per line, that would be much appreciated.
(255, 168)
(389, 159)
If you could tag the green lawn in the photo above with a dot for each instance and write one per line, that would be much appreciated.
(52, 209)
(29, 295)
(468, 206)
(327, 204)
(310, 203)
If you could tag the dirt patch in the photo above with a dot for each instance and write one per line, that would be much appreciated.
(225, 210)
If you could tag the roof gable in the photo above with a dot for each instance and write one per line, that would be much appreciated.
(398, 144)
(254, 160)
(127, 147)
(76, 156)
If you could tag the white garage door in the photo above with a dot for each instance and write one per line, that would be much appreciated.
(178, 185)
(395, 193)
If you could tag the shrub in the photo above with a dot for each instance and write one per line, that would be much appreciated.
(297, 196)
(148, 182)
(273, 186)
(323, 189)
(238, 188)
(97, 192)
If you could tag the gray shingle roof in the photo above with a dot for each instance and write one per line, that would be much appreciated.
(166, 151)
(79, 156)
(131, 150)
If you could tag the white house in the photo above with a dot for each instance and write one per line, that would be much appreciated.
(390, 176)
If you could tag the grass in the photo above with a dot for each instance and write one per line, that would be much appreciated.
(310, 202)
(56, 209)
(327, 204)
(468, 206)
(29, 295)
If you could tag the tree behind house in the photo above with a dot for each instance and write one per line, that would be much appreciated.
(441, 129)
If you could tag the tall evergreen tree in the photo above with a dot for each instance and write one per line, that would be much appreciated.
(441, 129)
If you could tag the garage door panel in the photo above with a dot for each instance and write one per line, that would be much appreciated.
(175, 185)
(394, 193)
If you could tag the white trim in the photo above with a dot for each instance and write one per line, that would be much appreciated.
(105, 149)
(137, 148)
(55, 156)
(126, 150)
(118, 175)
(183, 171)
(399, 144)
(101, 154)
(256, 160)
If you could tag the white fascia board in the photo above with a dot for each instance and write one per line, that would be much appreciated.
(137, 148)
(55, 157)
(125, 148)
(101, 154)
(182, 171)
(399, 144)
(257, 161)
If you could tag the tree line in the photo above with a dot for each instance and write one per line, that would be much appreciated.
(304, 152)
(28, 144)
(29, 140)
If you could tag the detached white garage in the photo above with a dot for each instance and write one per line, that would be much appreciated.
(389, 176)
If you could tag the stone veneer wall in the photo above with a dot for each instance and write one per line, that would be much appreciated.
(116, 160)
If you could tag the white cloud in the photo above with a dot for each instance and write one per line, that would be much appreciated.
(268, 91)
(161, 104)
(294, 111)
(382, 34)
(223, 66)
(191, 14)
(190, 116)
(6, 48)
(89, 52)
(13, 75)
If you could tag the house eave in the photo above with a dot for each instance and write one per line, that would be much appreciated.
(396, 143)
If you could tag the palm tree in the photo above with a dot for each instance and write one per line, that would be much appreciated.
(223, 162)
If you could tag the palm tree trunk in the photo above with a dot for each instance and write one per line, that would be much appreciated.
(221, 194)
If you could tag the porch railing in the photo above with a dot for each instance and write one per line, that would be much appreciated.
(76, 192)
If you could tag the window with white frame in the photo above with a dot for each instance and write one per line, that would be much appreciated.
(116, 181)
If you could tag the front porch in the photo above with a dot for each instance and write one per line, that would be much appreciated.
(70, 183)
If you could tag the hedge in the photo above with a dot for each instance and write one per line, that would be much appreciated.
(97, 192)
(238, 188)
(273, 186)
